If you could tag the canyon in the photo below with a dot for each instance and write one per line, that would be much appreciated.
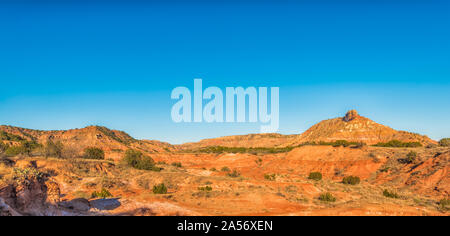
(255, 174)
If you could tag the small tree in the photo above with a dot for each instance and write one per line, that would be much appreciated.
(351, 180)
(315, 176)
(94, 153)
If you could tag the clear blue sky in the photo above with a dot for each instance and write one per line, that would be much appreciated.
(73, 64)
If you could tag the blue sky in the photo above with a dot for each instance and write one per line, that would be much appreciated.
(69, 65)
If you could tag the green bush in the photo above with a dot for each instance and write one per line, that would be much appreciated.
(137, 160)
(315, 176)
(177, 164)
(205, 189)
(225, 169)
(213, 169)
(104, 193)
(445, 142)
(397, 143)
(159, 189)
(327, 197)
(94, 153)
(390, 194)
(351, 180)
(270, 177)
(234, 174)
(52, 149)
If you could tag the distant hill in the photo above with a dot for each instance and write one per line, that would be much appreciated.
(352, 127)
(355, 128)
(113, 142)
(247, 141)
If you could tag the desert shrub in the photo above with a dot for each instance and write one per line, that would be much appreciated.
(234, 174)
(225, 169)
(159, 189)
(13, 151)
(397, 143)
(444, 203)
(327, 197)
(27, 174)
(270, 177)
(213, 169)
(445, 142)
(177, 164)
(52, 149)
(205, 189)
(411, 157)
(138, 160)
(146, 163)
(343, 143)
(390, 194)
(94, 153)
(351, 180)
(104, 193)
(315, 176)
(162, 163)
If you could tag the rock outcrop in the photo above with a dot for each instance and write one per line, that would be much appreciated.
(32, 193)
(351, 115)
